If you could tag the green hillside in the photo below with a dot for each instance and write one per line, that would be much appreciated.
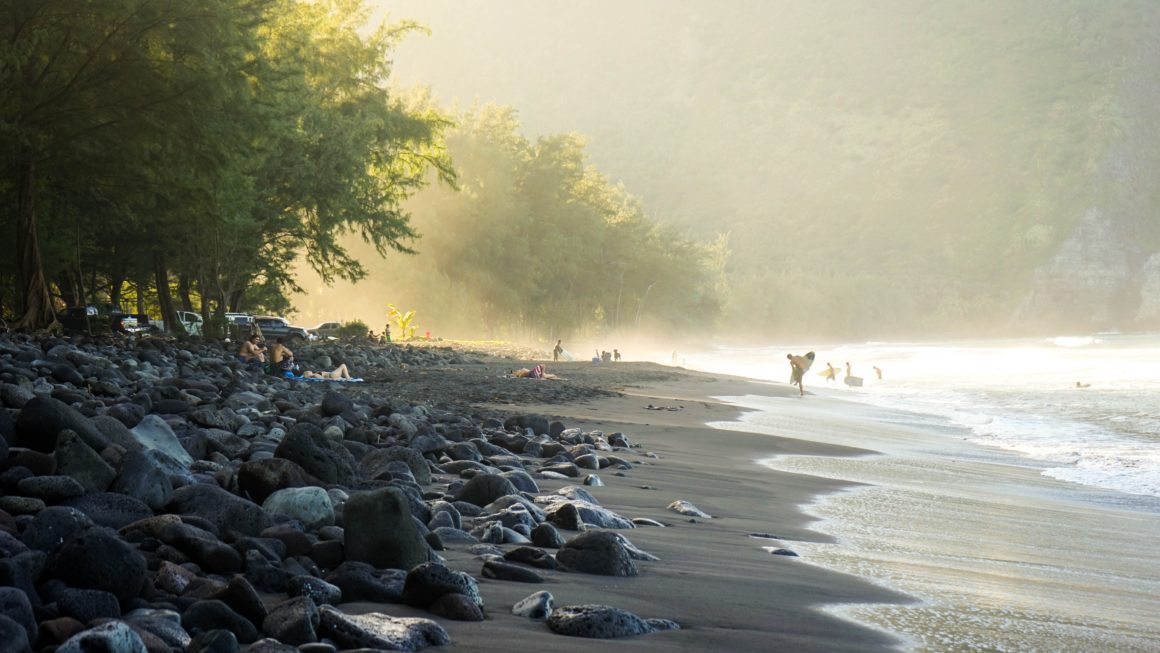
(881, 168)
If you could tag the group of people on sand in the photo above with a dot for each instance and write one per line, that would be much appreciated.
(799, 365)
(278, 359)
(559, 352)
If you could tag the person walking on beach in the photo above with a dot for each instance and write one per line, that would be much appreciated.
(878, 371)
(799, 365)
(557, 350)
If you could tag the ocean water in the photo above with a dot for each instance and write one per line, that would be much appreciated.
(1022, 513)
(1016, 395)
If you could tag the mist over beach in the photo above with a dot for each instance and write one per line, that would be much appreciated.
(510, 325)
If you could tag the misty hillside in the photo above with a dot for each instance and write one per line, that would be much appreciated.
(881, 168)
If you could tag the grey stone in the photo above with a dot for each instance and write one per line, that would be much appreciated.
(360, 581)
(109, 509)
(318, 590)
(505, 571)
(42, 419)
(482, 489)
(597, 552)
(76, 459)
(596, 621)
(112, 636)
(536, 606)
(224, 510)
(293, 622)
(86, 605)
(379, 530)
(154, 433)
(310, 505)
(50, 489)
(13, 637)
(429, 581)
(96, 558)
(15, 605)
(143, 479)
(208, 615)
(379, 631)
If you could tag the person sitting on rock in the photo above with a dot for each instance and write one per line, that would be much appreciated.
(252, 354)
(340, 372)
(281, 358)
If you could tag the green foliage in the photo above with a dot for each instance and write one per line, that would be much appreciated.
(353, 329)
(403, 321)
(213, 141)
(543, 243)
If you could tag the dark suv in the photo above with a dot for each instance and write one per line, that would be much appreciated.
(102, 318)
(280, 327)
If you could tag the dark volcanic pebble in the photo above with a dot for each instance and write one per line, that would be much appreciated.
(379, 631)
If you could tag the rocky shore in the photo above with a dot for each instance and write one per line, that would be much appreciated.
(159, 497)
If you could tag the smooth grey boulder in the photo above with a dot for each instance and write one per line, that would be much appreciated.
(374, 630)
(143, 479)
(379, 530)
(536, 606)
(42, 419)
(597, 552)
(154, 433)
(483, 489)
(359, 581)
(51, 527)
(310, 505)
(112, 636)
(15, 605)
(13, 637)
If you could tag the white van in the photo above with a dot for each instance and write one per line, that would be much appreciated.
(191, 321)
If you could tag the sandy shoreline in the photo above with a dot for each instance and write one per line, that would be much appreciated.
(726, 591)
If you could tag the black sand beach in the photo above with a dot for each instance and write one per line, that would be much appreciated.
(199, 557)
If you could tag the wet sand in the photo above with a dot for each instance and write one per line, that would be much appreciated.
(717, 581)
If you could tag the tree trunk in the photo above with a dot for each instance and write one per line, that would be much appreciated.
(183, 292)
(164, 298)
(37, 304)
(116, 283)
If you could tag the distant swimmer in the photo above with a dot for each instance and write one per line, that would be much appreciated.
(878, 371)
(799, 365)
(1082, 385)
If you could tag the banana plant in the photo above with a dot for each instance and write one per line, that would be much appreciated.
(403, 321)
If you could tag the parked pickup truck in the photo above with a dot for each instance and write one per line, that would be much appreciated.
(279, 327)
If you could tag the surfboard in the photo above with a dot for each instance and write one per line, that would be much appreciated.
(829, 374)
(567, 355)
(853, 381)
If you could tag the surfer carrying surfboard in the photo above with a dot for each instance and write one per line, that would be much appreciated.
(851, 380)
(799, 365)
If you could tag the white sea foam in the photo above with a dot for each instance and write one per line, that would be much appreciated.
(1019, 395)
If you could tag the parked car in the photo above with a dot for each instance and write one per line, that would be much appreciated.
(192, 322)
(280, 327)
(240, 319)
(101, 318)
(326, 330)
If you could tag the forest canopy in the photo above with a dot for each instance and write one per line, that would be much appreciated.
(165, 146)
(190, 156)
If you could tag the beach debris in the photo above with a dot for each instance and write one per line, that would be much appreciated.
(603, 622)
(689, 510)
(645, 521)
(673, 408)
(536, 606)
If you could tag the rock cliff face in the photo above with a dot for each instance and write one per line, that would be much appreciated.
(1106, 274)
(1092, 283)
